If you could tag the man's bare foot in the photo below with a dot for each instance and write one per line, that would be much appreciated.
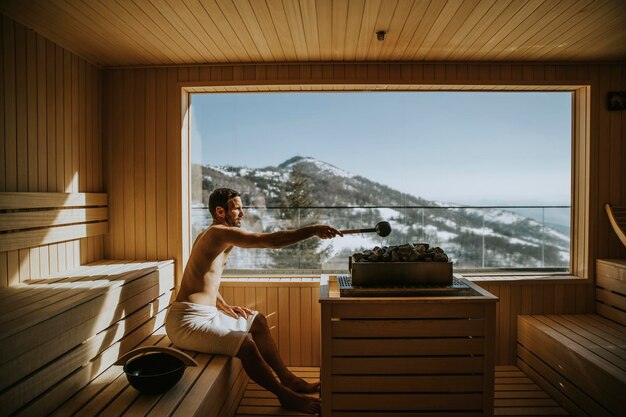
(299, 402)
(300, 385)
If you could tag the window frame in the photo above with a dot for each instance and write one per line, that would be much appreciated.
(580, 257)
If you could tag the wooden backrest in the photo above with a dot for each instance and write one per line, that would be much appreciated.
(32, 219)
(617, 217)
(611, 289)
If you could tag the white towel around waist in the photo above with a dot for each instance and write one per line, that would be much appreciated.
(206, 329)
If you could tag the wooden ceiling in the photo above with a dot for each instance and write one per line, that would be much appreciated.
(166, 32)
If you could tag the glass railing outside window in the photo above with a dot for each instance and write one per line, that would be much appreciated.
(475, 237)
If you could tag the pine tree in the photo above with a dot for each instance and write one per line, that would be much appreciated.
(296, 213)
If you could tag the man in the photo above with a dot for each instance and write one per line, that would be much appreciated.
(201, 320)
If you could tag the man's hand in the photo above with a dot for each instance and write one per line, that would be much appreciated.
(326, 232)
(236, 311)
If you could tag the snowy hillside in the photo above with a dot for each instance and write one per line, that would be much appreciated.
(475, 238)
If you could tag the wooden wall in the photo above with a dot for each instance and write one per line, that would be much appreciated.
(50, 100)
(533, 297)
(293, 313)
(142, 136)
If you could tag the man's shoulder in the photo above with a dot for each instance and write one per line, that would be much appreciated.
(219, 232)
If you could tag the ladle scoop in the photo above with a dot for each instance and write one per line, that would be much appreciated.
(382, 229)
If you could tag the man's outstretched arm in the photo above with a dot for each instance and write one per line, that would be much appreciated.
(237, 237)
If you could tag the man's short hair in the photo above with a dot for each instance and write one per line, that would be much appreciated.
(219, 198)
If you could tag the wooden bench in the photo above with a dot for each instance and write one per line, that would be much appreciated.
(212, 389)
(580, 360)
(58, 333)
(61, 334)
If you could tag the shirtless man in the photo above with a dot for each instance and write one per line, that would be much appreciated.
(202, 321)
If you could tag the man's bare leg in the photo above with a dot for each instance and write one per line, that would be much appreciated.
(258, 370)
(265, 343)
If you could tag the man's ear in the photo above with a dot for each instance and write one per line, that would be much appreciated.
(220, 212)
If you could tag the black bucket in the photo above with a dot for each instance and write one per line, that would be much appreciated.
(155, 369)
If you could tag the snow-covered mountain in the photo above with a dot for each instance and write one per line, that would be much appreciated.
(473, 237)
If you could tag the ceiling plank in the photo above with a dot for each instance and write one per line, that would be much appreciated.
(240, 52)
(325, 28)
(368, 29)
(455, 24)
(171, 32)
(554, 34)
(279, 19)
(212, 30)
(404, 23)
(252, 24)
(441, 23)
(206, 45)
(590, 19)
(512, 42)
(264, 20)
(296, 28)
(383, 22)
(124, 33)
(339, 25)
(353, 28)
(230, 12)
(309, 23)
(506, 15)
(512, 24)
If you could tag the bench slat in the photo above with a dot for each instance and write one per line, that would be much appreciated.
(101, 386)
(561, 344)
(33, 292)
(31, 317)
(407, 365)
(182, 393)
(27, 200)
(593, 346)
(60, 295)
(81, 321)
(33, 219)
(577, 374)
(64, 389)
(33, 238)
(43, 354)
(567, 394)
(56, 217)
(120, 395)
(212, 389)
(615, 342)
(143, 404)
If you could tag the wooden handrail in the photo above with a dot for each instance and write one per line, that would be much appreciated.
(617, 217)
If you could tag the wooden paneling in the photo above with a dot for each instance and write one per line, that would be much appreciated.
(292, 308)
(577, 358)
(401, 371)
(61, 332)
(51, 140)
(160, 103)
(228, 31)
(611, 289)
(516, 396)
(527, 297)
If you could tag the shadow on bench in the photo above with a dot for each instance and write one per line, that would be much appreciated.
(58, 333)
(213, 388)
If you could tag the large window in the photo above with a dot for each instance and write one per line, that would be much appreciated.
(485, 176)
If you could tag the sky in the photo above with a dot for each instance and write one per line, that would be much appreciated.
(457, 147)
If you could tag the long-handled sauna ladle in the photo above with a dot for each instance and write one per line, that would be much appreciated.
(382, 229)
